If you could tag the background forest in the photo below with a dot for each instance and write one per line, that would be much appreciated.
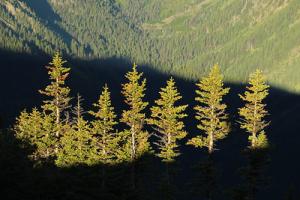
(180, 38)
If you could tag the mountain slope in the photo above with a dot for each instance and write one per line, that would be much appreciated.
(180, 37)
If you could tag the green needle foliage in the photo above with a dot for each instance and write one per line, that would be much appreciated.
(105, 140)
(57, 92)
(136, 138)
(44, 130)
(211, 111)
(75, 144)
(165, 118)
(254, 112)
(36, 129)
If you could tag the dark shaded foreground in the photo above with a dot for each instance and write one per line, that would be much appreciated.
(231, 173)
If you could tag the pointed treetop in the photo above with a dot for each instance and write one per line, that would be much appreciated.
(105, 89)
(57, 56)
(257, 75)
(134, 66)
(215, 69)
(258, 78)
(56, 70)
(171, 80)
(104, 104)
(105, 86)
(57, 60)
(215, 72)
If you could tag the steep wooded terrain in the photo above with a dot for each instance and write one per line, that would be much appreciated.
(180, 37)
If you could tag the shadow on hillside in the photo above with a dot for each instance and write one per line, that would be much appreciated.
(23, 75)
(45, 12)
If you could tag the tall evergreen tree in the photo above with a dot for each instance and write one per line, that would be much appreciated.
(134, 139)
(211, 111)
(76, 145)
(105, 140)
(57, 92)
(105, 137)
(137, 139)
(254, 112)
(43, 130)
(166, 120)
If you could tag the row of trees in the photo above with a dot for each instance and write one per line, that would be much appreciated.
(60, 133)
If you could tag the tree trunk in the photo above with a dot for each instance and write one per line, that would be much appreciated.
(211, 136)
(57, 121)
(253, 141)
(254, 132)
(211, 143)
(57, 109)
(57, 127)
(133, 145)
(47, 152)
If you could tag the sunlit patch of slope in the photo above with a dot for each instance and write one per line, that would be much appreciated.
(239, 35)
(185, 11)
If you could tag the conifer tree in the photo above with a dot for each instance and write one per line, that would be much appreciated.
(57, 92)
(105, 137)
(43, 129)
(166, 119)
(254, 112)
(137, 139)
(211, 111)
(76, 145)
(36, 129)
(105, 140)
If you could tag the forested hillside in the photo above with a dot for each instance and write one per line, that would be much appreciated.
(179, 37)
(150, 99)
